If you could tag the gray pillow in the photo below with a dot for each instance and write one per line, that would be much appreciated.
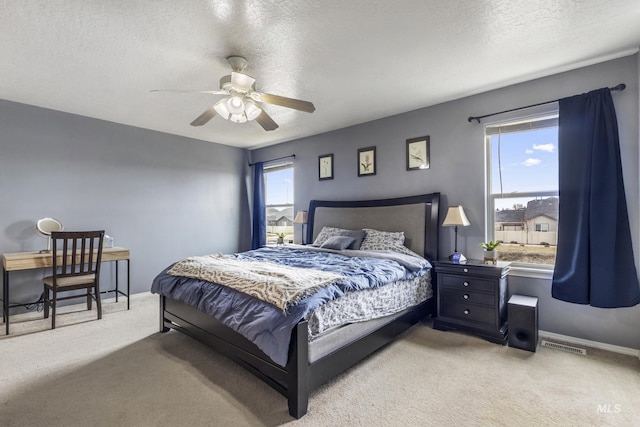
(337, 242)
(358, 237)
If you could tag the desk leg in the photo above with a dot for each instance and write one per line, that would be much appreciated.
(128, 285)
(5, 299)
(117, 288)
(128, 294)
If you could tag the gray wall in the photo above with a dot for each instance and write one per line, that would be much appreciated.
(163, 196)
(457, 171)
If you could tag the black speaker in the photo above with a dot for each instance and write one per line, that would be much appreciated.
(522, 313)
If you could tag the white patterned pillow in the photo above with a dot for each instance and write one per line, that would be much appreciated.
(325, 234)
(376, 240)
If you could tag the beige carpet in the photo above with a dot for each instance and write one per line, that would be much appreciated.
(120, 371)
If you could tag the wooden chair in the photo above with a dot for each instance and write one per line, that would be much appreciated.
(76, 265)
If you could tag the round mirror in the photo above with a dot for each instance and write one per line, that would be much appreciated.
(45, 227)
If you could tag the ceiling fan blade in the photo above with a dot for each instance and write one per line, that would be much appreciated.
(242, 80)
(266, 121)
(282, 101)
(210, 92)
(203, 118)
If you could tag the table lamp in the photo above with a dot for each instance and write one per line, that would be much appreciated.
(301, 218)
(456, 217)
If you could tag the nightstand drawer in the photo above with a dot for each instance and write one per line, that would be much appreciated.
(468, 312)
(465, 296)
(467, 283)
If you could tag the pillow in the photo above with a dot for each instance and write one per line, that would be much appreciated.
(358, 237)
(337, 242)
(325, 233)
(376, 240)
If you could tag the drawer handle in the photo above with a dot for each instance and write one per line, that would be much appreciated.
(466, 270)
(465, 296)
(466, 284)
(466, 311)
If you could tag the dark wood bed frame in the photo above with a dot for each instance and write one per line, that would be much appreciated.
(299, 377)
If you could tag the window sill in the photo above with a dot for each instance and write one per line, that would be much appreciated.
(542, 272)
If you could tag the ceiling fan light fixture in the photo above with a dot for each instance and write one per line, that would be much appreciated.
(238, 118)
(235, 104)
(222, 109)
(252, 110)
(236, 109)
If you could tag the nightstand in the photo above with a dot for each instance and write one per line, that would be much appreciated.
(472, 298)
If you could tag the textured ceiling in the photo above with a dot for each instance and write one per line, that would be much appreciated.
(356, 60)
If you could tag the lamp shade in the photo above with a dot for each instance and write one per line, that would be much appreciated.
(235, 105)
(456, 216)
(221, 109)
(301, 217)
(252, 110)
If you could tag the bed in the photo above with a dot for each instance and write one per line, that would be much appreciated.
(310, 360)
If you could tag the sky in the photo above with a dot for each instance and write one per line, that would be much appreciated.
(528, 161)
(279, 187)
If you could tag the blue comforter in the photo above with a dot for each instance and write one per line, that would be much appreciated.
(264, 324)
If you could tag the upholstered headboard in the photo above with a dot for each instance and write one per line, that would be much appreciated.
(417, 216)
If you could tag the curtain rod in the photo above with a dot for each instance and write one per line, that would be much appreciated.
(620, 87)
(273, 160)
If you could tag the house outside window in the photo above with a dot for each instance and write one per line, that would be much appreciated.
(278, 182)
(522, 189)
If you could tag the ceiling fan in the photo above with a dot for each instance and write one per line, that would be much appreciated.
(242, 102)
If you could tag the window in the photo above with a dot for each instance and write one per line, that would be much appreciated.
(522, 187)
(278, 184)
(542, 227)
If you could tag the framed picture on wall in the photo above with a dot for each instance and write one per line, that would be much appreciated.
(367, 161)
(418, 153)
(325, 167)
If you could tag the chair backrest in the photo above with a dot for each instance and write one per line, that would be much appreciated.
(77, 253)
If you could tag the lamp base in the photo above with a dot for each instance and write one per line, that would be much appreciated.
(457, 257)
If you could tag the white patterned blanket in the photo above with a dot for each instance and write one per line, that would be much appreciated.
(280, 285)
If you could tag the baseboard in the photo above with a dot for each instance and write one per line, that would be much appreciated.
(588, 343)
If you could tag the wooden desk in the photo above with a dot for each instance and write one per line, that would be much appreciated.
(18, 261)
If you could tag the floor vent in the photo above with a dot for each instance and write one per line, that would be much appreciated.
(564, 347)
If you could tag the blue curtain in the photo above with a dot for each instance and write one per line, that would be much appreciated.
(594, 262)
(259, 233)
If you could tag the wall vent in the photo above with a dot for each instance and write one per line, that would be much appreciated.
(564, 347)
